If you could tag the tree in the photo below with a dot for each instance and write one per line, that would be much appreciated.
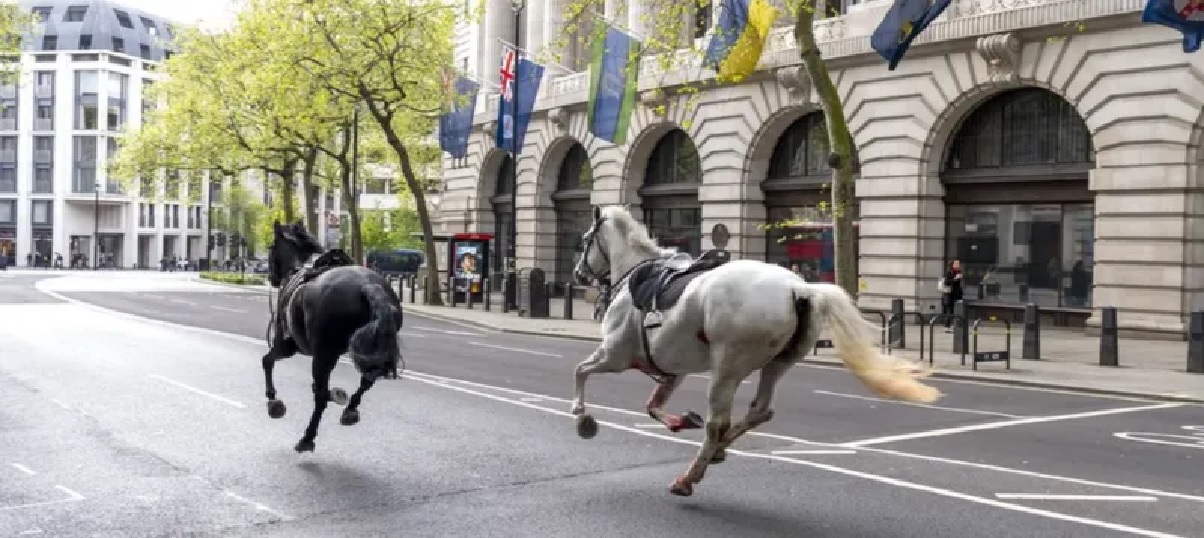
(241, 213)
(16, 25)
(389, 56)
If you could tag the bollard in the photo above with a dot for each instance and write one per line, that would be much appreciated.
(1195, 343)
(505, 291)
(426, 286)
(536, 299)
(898, 324)
(413, 288)
(468, 294)
(1031, 343)
(1108, 345)
(487, 291)
(451, 291)
(568, 300)
(961, 335)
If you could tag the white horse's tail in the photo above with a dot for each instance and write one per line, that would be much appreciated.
(853, 337)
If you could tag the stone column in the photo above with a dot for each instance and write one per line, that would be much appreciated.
(556, 42)
(497, 24)
(534, 14)
(901, 238)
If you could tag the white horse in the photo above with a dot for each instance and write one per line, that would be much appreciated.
(730, 321)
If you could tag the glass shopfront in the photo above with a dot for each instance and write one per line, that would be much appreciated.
(679, 228)
(1022, 253)
(803, 237)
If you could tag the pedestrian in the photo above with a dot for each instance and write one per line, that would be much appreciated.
(951, 291)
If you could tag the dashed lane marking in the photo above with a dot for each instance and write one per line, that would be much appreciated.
(926, 406)
(72, 496)
(258, 506)
(195, 390)
(517, 350)
(23, 469)
(1051, 497)
(1006, 423)
(227, 309)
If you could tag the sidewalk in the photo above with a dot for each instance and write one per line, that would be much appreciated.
(1069, 359)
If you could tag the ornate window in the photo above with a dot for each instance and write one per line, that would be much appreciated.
(1024, 127)
(574, 215)
(575, 172)
(802, 150)
(674, 160)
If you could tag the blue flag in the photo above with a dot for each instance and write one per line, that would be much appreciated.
(455, 125)
(613, 76)
(519, 77)
(1189, 20)
(905, 20)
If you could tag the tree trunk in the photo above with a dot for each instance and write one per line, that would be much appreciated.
(288, 189)
(310, 161)
(351, 200)
(841, 157)
(431, 292)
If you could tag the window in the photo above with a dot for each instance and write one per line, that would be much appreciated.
(144, 52)
(42, 12)
(50, 42)
(674, 160)
(1024, 127)
(115, 117)
(75, 14)
(175, 215)
(8, 178)
(85, 41)
(118, 45)
(1022, 253)
(8, 211)
(43, 149)
(43, 179)
(123, 19)
(44, 118)
(802, 150)
(44, 81)
(679, 227)
(149, 25)
(84, 164)
(802, 236)
(8, 150)
(43, 212)
(702, 18)
(87, 97)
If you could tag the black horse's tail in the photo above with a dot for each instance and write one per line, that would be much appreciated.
(376, 342)
(802, 309)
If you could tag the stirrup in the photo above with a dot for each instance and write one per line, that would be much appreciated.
(653, 319)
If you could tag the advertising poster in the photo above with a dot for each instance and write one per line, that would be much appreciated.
(468, 266)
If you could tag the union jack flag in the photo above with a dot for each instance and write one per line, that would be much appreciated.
(506, 74)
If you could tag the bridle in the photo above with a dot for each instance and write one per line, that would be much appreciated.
(588, 241)
(286, 284)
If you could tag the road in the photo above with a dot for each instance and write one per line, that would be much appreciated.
(145, 417)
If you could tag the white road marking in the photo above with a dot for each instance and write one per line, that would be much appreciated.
(1006, 424)
(23, 469)
(708, 378)
(650, 425)
(844, 471)
(408, 334)
(809, 452)
(258, 506)
(532, 399)
(463, 333)
(518, 350)
(417, 376)
(71, 497)
(227, 309)
(189, 388)
(938, 407)
(181, 301)
(1048, 497)
(1186, 441)
(30, 532)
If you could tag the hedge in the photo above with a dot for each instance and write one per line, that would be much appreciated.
(234, 278)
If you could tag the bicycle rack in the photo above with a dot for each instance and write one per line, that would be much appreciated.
(1004, 356)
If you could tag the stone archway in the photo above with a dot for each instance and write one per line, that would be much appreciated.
(571, 202)
(669, 195)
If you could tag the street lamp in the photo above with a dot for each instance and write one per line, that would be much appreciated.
(209, 225)
(512, 233)
(96, 226)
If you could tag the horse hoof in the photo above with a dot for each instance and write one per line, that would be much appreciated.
(681, 487)
(691, 421)
(276, 409)
(587, 427)
(305, 446)
(350, 417)
(338, 396)
(719, 457)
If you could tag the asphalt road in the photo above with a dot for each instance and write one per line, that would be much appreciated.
(112, 425)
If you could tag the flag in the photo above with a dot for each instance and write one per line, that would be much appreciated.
(614, 72)
(519, 78)
(739, 38)
(455, 125)
(905, 20)
(1188, 20)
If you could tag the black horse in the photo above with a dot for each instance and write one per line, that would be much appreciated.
(326, 310)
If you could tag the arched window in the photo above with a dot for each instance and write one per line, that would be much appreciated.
(802, 150)
(674, 160)
(1024, 127)
(575, 172)
(573, 211)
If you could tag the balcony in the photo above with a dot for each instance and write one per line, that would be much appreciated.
(43, 186)
(8, 124)
(44, 91)
(43, 124)
(43, 156)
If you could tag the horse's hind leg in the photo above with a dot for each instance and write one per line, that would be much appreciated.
(724, 383)
(599, 361)
(759, 411)
(351, 414)
(323, 365)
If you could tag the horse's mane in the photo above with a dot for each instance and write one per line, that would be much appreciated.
(635, 232)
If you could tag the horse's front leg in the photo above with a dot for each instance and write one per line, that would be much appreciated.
(601, 360)
(323, 365)
(724, 384)
(660, 396)
(279, 350)
(351, 414)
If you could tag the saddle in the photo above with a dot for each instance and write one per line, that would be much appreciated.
(659, 285)
(328, 260)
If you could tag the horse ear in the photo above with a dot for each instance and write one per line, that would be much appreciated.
(597, 213)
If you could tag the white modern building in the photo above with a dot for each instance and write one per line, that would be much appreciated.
(85, 70)
(1060, 164)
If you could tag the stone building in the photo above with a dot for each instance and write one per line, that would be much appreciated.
(1050, 145)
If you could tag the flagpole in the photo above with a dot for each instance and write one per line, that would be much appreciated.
(511, 288)
(532, 54)
(638, 36)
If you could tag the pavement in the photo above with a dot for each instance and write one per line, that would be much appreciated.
(136, 409)
(1069, 358)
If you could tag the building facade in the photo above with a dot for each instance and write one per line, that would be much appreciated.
(1058, 164)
